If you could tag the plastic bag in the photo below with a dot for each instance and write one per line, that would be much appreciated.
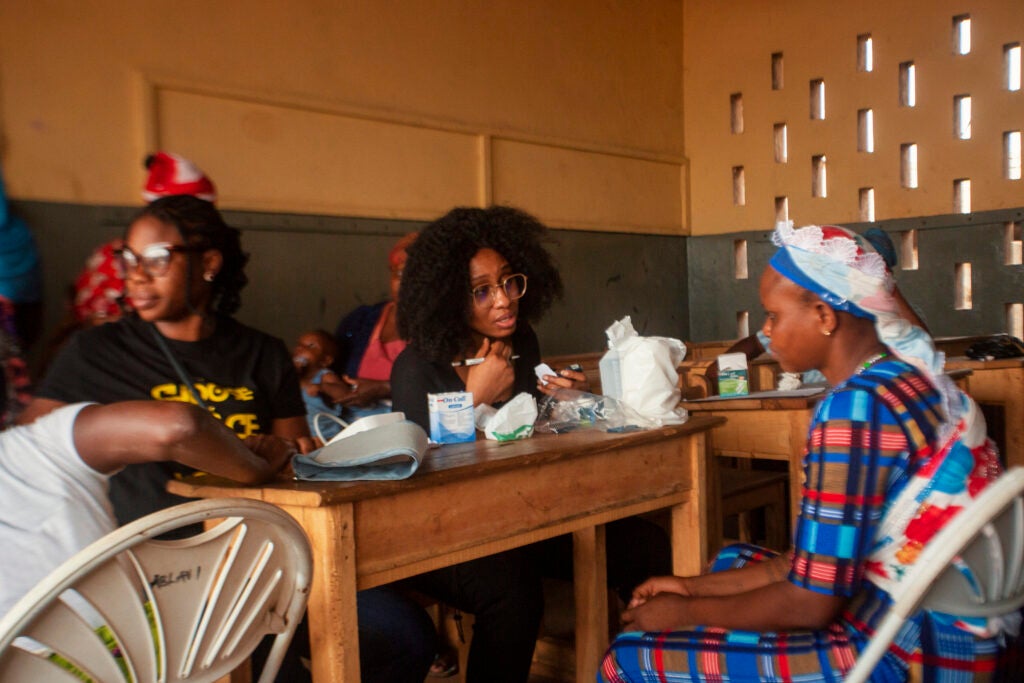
(647, 375)
(568, 409)
(511, 422)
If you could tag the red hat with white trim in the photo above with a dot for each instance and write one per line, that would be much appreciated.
(171, 174)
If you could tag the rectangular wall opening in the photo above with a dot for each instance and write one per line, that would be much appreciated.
(962, 34)
(819, 176)
(908, 84)
(736, 113)
(1011, 155)
(1011, 65)
(867, 204)
(781, 209)
(962, 195)
(962, 116)
(739, 255)
(780, 143)
(962, 289)
(908, 250)
(777, 71)
(865, 53)
(1012, 246)
(866, 130)
(742, 324)
(1015, 319)
(908, 165)
(817, 96)
(739, 186)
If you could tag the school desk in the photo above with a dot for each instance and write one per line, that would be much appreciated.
(476, 499)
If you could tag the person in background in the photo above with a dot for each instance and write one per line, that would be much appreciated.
(96, 297)
(368, 344)
(758, 343)
(313, 356)
(21, 279)
(894, 451)
(54, 475)
(21, 292)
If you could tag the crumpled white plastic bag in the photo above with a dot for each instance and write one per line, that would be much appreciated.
(647, 371)
(512, 421)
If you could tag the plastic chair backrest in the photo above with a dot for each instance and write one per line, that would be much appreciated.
(988, 537)
(132, 608)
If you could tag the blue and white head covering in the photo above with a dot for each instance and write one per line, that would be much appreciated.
(846, 272)
(20, 277)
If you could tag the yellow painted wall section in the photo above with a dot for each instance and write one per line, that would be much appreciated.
(728, 49)
(570, 109)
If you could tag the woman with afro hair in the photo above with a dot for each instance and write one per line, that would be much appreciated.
(474, 281)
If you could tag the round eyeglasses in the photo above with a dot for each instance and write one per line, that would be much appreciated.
(155, 259)
(514, 286)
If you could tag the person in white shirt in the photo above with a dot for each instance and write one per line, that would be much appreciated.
(54, 475)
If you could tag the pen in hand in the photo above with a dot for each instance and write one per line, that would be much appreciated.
(474, 361)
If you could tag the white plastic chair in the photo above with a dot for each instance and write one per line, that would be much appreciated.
(988, 536)
(131, 608)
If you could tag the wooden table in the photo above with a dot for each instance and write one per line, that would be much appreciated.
(767, 425)
(476, 499)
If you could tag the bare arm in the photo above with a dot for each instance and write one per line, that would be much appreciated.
(110, 436)
(294, 429)
(779, 606)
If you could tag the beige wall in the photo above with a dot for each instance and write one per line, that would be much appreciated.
(728, 48)
(396, 109)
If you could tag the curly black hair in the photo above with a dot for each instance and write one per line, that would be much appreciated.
(201, 225)
(434, 304)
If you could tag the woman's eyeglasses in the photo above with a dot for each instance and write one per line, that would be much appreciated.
(514, 286)
(155, 259)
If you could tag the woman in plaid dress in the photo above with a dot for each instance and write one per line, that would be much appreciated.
(891, 422)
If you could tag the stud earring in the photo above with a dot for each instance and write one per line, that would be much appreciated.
(827, 333)
(209, 275)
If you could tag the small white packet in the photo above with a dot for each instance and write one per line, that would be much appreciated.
(543, 369)
(512, 421)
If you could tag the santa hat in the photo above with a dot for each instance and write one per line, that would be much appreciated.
(170, 174)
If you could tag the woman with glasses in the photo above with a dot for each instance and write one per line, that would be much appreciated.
(474, 281)
(184, 270)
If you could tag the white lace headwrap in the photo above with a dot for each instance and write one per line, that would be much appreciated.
(847, 273)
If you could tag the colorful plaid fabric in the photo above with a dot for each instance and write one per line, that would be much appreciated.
(868, 436)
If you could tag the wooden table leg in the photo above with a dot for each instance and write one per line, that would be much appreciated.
(590, 580)
(333, 627)
(690, 520)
